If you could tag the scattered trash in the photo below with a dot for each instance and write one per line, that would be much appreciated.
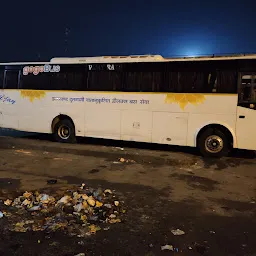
(177, 232)
(120, 148)
(51, 182)
(80, 254)
(8, 202)
(22, 151)
(38, 241)
(108, 191)
(167, 247)
(151, 245)
(82, 186)
(190, 248)
(54, 244)
(122, 160)
(78, 213)
(1, 215)
(212, 232)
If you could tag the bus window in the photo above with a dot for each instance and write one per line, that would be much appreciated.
(58, 81)
(247, 92)
(145, 80)
(11, 79)
(131, 82)
(35, 82)
(76, 81)
(103, 80)
(226, 81)
(158, 80)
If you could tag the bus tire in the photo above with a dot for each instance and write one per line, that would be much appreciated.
(64, 131)
(213, 143)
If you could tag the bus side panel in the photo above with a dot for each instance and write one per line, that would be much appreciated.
(37, 114)
(102, 119)
(170, 128)
(136, 125)
(198, 121)
(10, 106)
(217, 109)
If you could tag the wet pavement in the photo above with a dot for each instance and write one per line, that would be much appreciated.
(163, 188)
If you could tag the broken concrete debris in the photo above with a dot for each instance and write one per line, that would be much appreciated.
(80, 212)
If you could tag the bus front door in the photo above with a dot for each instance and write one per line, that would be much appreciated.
(246, 112)
(246, 128)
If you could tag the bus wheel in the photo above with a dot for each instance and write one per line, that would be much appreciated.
(213, 143)
(64, 131)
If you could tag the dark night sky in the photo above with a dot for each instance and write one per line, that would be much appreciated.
(165, 27)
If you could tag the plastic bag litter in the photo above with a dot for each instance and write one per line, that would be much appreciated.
(64, 200)
(177, 232)
(91, 201)
(94, 229)
(8, 202)
(34, 208)
(113, 221)
(82, 186)
(78, 207)
(108, 191)
(27, 194)
(109, 206)
(167, 247)
(1, 215)
(112, 216)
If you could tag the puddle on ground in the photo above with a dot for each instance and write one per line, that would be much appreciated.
(221, 164)
(94, 171)
(230, 205)
(6, 183)
(197, 182)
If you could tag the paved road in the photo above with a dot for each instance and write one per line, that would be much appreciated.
(165, 188)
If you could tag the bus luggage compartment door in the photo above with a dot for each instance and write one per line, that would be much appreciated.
(170, 128)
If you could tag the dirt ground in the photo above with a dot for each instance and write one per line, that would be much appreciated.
(212, 200)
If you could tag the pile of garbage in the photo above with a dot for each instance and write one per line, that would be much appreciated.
(80, 213)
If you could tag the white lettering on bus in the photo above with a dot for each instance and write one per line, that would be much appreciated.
(111, 67)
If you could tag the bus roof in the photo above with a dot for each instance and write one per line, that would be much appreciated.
(132, 58)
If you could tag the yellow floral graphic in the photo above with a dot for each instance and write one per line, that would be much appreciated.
(183, 99)
(32, 95)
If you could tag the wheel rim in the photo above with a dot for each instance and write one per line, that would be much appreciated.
(64, 132)
(214, 144)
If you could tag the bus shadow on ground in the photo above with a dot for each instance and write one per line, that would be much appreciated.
(236, 153)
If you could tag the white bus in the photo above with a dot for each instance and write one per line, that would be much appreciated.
(204, 102)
